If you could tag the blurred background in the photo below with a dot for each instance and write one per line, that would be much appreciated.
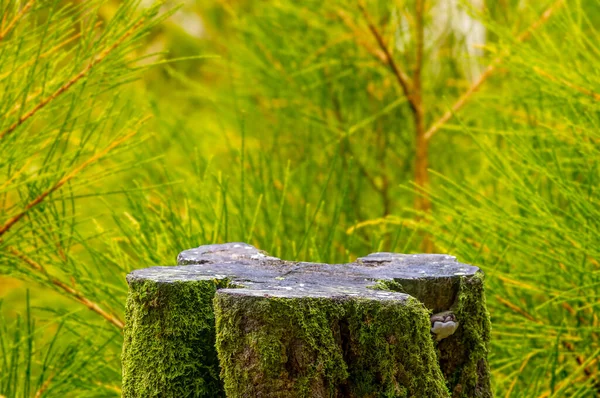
(318, 131)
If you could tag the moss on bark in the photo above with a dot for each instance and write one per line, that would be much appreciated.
(325, 347)
(304, 329)
(169, 339)
(463, 356)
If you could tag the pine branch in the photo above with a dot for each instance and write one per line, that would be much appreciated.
(72, 81)
(380, 55)
(16, 174)
(517, 309)
(14, 219)
(422, 198)
(46, 54)
(582, 90)
(16, 19)
(463, 99)
(358, 37)
(420, 42)
(77, 295)
(401, 77)
(413, 92)
(40, 392)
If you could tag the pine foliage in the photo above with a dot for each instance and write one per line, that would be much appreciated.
(324, 131)
(63, 115)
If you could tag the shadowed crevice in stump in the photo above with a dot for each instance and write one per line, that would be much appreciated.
(296, 329)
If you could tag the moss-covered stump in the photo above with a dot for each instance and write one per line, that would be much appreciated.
(168, 350)
(233, 321)
(456, 299)
(282, 344)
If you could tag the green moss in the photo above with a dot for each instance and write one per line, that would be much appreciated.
(277, 345)
(471, 309)
(168, 348)
(391, 351)
(463, 356)
(299, 347)
(323, 347)
(386, 284)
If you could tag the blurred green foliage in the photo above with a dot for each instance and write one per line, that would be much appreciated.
(130, 132)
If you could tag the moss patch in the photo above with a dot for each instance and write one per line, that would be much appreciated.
(169, 339)
(463, 356)
(325, 347)
(387, 284)
(278, 345)
(391, 351)
(304, 330)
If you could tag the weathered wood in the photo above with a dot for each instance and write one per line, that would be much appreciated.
(234, 321)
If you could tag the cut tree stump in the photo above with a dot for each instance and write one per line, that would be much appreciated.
(232, 321)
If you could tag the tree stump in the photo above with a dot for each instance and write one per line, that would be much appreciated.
(232, 321)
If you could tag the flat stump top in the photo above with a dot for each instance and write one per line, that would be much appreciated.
(253, 272)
